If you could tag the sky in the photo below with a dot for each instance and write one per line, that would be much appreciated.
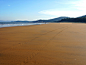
(40, 9)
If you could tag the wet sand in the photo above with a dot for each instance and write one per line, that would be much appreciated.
(47, 44)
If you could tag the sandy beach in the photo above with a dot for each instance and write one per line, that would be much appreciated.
(46, 44)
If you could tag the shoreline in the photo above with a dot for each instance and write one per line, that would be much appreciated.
(21, 24)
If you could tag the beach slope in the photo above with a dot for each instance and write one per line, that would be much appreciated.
(47, 44)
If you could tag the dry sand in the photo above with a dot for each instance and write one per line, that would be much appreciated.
(47, 44)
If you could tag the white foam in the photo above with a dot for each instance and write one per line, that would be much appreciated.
(21, 24)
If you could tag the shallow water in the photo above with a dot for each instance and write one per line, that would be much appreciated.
(19, 24)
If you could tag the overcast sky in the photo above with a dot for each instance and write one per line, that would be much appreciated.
(40, 9)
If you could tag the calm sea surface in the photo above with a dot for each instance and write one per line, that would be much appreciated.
(19, 24)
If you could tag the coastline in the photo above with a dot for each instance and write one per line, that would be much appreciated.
(47, 44)
(19, 24)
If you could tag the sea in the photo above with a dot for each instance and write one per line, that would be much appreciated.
(19, 24)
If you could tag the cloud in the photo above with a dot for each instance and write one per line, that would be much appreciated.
(22, 19)
(80, 5)
(63, 13)
(77, 8)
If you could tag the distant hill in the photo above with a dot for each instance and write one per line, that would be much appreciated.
(58, 19)
(41, 21)
(82, 16)
(22, 21)
(51, 20)
(81, 19)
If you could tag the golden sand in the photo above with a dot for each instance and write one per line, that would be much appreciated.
(47, 44)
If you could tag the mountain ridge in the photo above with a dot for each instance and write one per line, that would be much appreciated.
(58, 19)
(49, 20)
(81, 19)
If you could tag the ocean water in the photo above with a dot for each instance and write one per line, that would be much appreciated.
(19, 24)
